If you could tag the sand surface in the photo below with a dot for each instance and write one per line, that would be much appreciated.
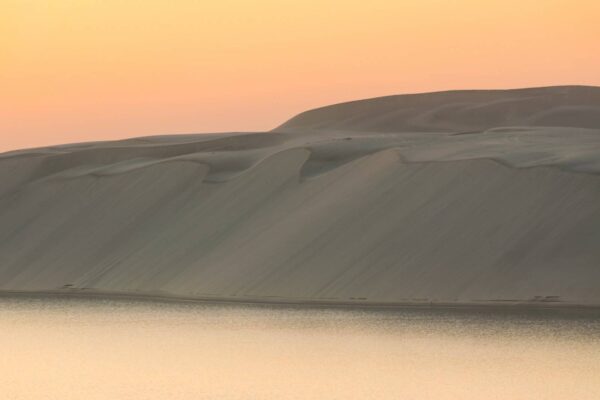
(468, 196)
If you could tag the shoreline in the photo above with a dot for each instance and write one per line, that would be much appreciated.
(493, 306)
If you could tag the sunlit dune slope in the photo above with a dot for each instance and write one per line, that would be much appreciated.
(461, 110)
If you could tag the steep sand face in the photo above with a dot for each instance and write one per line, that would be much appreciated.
(300, 214)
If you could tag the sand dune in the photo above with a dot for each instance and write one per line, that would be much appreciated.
(463, 110)
(470, 196)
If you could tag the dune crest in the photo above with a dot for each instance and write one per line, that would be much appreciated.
(459, 111)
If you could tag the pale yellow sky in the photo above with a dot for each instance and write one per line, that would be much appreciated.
(77, 70)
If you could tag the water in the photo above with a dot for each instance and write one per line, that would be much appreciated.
(57, 348)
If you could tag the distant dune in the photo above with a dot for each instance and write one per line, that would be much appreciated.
(488, 197)
(461, 110)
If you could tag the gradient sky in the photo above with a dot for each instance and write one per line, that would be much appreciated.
(79, 70)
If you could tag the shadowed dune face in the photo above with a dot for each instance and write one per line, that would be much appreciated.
(319, 211)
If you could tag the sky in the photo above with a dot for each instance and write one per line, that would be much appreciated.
(82, 70)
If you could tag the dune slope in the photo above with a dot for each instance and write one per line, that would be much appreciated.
(332, 210)
(460, 110)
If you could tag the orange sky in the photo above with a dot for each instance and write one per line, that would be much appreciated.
(78, 70)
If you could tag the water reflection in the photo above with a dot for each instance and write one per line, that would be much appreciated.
(57, 348)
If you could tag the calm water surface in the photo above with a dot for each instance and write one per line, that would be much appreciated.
(55, 348)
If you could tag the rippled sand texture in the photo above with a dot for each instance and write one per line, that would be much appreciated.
(469, 196)
(54, 349)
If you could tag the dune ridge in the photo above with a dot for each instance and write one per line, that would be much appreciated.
(349, 203)
(459, 110)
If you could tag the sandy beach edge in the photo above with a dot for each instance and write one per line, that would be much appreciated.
(491, 306)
